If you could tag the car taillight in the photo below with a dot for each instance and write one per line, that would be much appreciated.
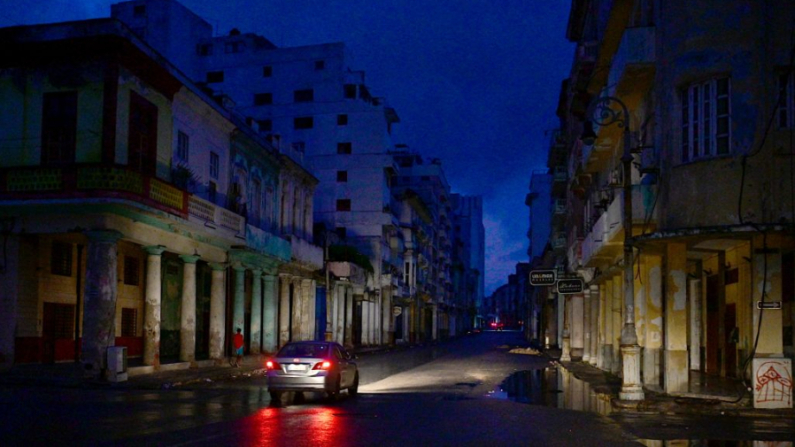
(324, 365)
(272, 364)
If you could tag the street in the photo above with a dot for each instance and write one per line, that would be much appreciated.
(470, 391)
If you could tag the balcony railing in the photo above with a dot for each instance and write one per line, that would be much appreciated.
(92, 181)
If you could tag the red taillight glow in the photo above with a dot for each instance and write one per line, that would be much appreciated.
(271, 364)
(324, 365)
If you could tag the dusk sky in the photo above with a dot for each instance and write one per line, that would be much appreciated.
(475, 82)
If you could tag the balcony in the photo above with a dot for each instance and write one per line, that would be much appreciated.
(605, 241)
(306, 254)
(81, 183)
(632, 70)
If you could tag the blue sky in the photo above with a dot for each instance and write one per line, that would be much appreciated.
(475, 82)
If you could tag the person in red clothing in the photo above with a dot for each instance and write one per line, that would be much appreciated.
(237, 343)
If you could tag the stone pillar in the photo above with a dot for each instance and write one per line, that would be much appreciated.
(270, 320)
(239, 303)
(576, 326)
(187, 328)
(434, 327)
(595, 298)
(348, 311)
(307, 309)
(586, 325)
(565, 355)
(387, 331)
(99, 314)
(606, 337)
(617, 325)
(652, 321)
(694, 335)
(217, 311)
(676, 368)
(298, 309)
(9, 300)
(284, 310)
(256, 312)
(152, 308)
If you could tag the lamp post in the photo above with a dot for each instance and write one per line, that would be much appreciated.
(602, 114)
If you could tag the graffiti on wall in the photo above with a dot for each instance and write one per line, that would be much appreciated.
(773, 383)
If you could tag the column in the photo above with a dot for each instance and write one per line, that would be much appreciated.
(595, 298)
(676, 368)
(297, 310)
(217, 311)
(256, 312)
(284, 310)
(9, 300)
(348, 311)
(694, 294)
(307, 309)
(617, 325)
(606, 337)
(239, 303)
(152, 307)
(586, 324)
(386, 326)
(576, 326)
(270, 315)
(565, 355)
(434, 328)
(187, 328)
(652, 321)
(99, 314)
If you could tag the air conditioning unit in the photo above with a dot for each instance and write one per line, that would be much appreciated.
(117, 364)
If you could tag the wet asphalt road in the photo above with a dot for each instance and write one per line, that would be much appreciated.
(448, 394)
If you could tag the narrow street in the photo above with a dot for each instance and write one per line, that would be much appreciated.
(470, 391)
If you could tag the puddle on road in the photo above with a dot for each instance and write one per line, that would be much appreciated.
(552, 387)
(556, 387)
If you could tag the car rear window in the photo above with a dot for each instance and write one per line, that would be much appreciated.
(304, 350)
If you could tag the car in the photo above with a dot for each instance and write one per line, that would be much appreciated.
(312, 366)
(497, 326)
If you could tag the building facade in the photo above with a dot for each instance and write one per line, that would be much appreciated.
(680, 198)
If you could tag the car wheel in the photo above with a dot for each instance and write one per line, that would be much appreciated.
(334, 391)
(276, 396)
(354, 389)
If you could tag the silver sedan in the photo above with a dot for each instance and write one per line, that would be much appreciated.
(313, 366)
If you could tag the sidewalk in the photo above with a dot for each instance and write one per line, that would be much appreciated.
(169, 375)
(706, 394)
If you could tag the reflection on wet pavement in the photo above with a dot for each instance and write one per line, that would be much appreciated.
(553, 387)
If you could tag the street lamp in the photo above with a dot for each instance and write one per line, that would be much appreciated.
(602, 114)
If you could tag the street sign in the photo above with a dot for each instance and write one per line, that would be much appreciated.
(570, 285)
(768, 304)
(542, 277)
(397, 310)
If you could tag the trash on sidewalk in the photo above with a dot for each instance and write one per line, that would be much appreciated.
(526, 351)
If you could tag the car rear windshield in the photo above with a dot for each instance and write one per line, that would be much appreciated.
(304, 350)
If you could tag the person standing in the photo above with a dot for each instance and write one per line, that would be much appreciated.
(237, 343)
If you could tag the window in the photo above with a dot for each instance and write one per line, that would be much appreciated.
(265, 125)
(204, 49)
(344, 148)
(261, 99)
(256, 200)
(350, 91)
(705, 119)
(320, 65)
(342, 176)
(183, 146)
(214, 165)
(342, 232)
(342, 119)
(307, 95)
(215, 76)
(129, 321)
(298, 146)
(59, 128)
(234, 47)
(212, 192)
(786, 103)
(343, 204)
(61, 259)
(142, 135)
(267, 71)
(303, 122)
(139, 10)
(131, 271)
(60, 320)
